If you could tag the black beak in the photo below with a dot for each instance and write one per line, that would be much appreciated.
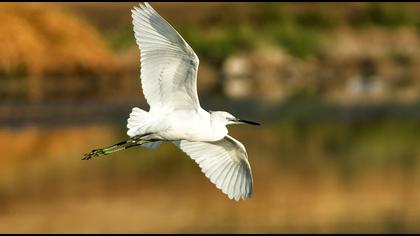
(248, 122)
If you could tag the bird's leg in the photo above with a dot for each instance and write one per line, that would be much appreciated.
(131, 142)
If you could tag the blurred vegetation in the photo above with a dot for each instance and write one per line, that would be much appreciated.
(300, 33)
(269, 23)
(388, 15)
(43, 41)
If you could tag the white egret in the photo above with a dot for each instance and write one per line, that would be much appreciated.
(169, 80)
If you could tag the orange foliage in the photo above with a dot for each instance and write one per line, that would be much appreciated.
(41, 38)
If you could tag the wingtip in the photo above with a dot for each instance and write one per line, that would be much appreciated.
(247, 196)
(144, 5)
(141, 7)
(240, 197)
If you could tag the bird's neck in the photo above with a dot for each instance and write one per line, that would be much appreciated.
(219, 130)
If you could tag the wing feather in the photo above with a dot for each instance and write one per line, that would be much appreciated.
(168, 64)
(225, 163)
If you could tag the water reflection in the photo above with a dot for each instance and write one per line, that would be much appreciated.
(322, 177)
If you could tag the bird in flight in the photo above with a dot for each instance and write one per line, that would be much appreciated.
(169, 79)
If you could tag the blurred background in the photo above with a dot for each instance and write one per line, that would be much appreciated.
(336, 86)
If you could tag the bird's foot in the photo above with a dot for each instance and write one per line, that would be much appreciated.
(132, 142)
(93, 153)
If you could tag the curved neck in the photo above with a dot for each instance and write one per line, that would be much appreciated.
(219, 129)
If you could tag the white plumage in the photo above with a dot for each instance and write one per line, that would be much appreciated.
(169, 80)
(224, 162)
(168, 64)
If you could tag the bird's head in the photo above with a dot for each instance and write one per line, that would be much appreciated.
(228, 119)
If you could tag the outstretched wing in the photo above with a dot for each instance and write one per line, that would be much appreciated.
(168, 64)
(225, 163)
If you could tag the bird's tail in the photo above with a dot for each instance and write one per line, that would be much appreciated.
(138, 124)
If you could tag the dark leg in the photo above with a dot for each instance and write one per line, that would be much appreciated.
(131, 142)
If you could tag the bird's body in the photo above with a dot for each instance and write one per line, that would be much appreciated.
(177, 125)
(169, 80)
